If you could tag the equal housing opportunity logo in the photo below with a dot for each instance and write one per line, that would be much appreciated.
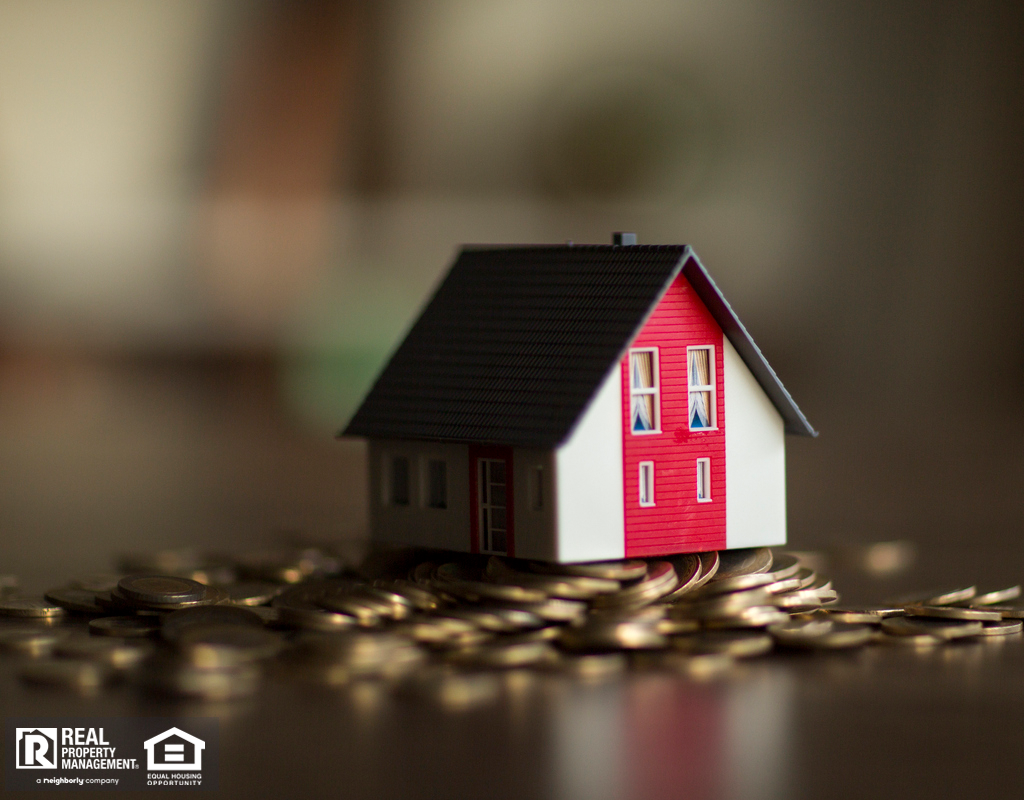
(122, 753)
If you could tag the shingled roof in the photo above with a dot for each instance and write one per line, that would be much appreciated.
(517, 340)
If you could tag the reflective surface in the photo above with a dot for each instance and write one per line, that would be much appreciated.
(99, 460)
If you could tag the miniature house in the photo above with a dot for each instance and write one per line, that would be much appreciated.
(578, 403)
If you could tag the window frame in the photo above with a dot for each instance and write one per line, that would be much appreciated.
(709, 387)
(653, 390)
(536, 487)
(388, 474)
(706, 464)
(426, 493)
(645, 466)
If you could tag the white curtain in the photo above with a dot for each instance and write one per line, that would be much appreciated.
(700, 401)
(643, 404)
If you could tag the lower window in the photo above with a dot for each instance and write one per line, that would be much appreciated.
(703, 480)
(646, 483)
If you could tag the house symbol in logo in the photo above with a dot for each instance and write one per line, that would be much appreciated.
(174, 750)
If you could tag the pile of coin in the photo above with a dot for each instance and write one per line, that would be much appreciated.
(216, 628)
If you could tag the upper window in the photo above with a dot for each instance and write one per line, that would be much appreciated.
(643, 391)
(701, 379)
(437, 483)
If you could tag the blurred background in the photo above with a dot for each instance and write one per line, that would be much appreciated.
(217, 217)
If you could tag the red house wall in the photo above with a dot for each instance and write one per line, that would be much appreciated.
(676, 523)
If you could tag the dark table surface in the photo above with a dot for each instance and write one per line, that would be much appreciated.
(99, 460)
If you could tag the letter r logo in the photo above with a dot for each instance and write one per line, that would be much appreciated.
(36, 748)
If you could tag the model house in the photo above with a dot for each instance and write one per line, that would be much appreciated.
(578, 403)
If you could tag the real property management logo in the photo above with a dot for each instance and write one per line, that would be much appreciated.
(114, 753)
(36, 748)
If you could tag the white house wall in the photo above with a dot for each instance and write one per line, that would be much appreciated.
(416, 523)
(755, 460)
(588, 481)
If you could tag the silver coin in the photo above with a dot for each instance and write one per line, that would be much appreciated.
(995, 596)
(1008, 611)
(744, 561)
(127, 627)
(953, 612)
(506, 653)
(251, 593)
(115, 653)
(29, 641)
(29, 607)
(173, 625)
(784, 566)
(735, 583)
(160, 589)
(223, 645)
(660, 580)
(821, 634)
(609, 570)
(699, 666)
(599, 633)
(738, 644)
(1004, 627)
(945, 597)
(754, 617)
(709, 564)
(81, 676)
(864, 615)
(944, 628)
(78, 601)
(591, 666)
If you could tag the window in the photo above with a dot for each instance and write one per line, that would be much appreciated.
(702, 387)
(703, 480)
(643, 391)
(537, 488)
(399, 493)
(437, 483)
(646, 483)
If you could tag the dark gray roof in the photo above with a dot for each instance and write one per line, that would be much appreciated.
(516, 341)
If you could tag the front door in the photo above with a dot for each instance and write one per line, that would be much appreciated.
(491, 485)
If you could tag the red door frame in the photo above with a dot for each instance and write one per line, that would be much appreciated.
(476, 452)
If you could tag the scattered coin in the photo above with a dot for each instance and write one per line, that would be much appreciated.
(29, 607)
(738, 644)
(83, 676)
(112, 652)
(943, 628)
(160, 589)
(995, 597)
(251, 593)
(953, 612)
(77, 601)
(610, 570)
(744, 561)
(864, 615)
(709, 564)
(128, 627)
(821, 634)
(1004, 627)
(28, 641)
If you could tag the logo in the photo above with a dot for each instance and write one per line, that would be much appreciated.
(174, 750)
(36, 748)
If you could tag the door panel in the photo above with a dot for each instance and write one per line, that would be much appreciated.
(491, 493)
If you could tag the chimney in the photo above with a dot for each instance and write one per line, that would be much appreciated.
(621, 239)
